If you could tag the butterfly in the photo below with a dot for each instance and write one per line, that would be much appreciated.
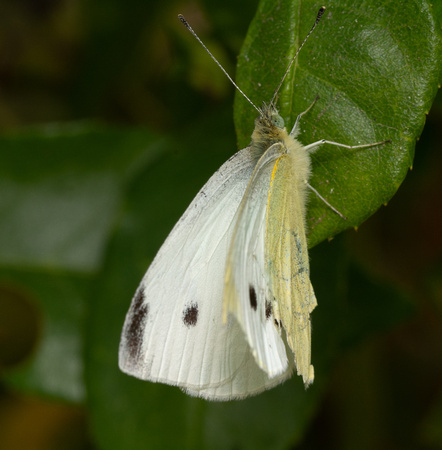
(223, 311)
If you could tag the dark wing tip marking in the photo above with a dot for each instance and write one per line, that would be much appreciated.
(140, 311)
(252, 298)
(190, 315)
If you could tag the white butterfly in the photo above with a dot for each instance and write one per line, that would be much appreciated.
(223, 311)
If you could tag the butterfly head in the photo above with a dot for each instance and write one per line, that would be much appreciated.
(269, 128)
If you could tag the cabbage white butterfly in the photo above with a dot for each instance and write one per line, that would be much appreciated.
(223, 311)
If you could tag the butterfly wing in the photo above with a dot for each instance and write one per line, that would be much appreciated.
(247, 295)
(267, 273)
(174, 332)
(287, 256)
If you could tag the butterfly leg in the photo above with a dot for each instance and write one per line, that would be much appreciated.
(325, 201)
(295, 130)
(313, 147)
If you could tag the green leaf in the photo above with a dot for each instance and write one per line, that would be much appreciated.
(375, 66)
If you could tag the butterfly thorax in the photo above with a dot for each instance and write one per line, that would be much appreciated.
(270, 130)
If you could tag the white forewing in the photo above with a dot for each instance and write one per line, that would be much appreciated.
(174, 331)
(247, 294)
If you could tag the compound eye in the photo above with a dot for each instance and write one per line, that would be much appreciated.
(277, 120)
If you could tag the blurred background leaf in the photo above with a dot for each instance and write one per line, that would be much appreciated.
(113, 117)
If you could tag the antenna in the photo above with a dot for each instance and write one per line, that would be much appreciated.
(318, 18)
(186, 24)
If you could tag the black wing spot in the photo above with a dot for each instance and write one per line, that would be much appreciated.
(252, 297)
(190, 315)
(134, 335)
(278, 323)
(269, 310)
